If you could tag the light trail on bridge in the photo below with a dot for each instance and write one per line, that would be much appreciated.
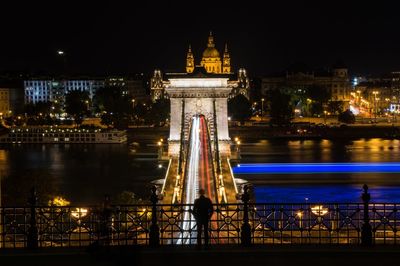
(191, 182)
(199, 173)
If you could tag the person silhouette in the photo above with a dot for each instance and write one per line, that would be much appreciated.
(202, 212)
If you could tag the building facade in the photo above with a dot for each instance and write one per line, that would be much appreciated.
(50, 90)
(130, 86)
(336, 81)
(377, 96)
(5, 106)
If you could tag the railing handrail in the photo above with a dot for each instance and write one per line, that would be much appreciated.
(191, 204)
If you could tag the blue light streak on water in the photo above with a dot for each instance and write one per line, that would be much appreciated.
(324, 194)
(316, 168)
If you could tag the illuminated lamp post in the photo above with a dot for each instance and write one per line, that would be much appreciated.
(375, 107)
(262, 108)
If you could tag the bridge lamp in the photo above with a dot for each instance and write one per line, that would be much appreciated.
(79, 213)
(159, 143)
(319, 210)
(236, 139)
(160, 166)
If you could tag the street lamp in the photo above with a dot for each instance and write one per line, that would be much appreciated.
(325, 112)
(375, 99)
(133, 103)
(262, 107)
(359, 96)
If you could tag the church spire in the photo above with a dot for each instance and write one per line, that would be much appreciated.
(189, 60)
(211, 40)
(226, 62)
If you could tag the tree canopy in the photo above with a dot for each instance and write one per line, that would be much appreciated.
(347, 117)
(239, 108)
(281, 109)
(77, 105)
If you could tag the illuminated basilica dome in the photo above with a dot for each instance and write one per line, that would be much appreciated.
(211, 52)
(211, 60)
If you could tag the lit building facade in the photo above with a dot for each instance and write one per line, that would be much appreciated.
(377, 96)
(213, 64)
(5, 102)
(55, 90)
(336, 81)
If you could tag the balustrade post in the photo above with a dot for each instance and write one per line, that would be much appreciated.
(32, 234)
(154, 234)
(106, 223)
(366, 229)
(245, 234)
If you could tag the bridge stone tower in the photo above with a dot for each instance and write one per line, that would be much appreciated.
(198, 93)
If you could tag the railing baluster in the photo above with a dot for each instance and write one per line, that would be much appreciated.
(366, 229)
(154, 240)
(33, 238)
(245, 229)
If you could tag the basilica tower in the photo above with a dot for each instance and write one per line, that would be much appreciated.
(226, 62)
(189, 61)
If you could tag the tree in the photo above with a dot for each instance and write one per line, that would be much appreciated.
(107, 119)
(76, 105)
(140, 110)
(159, 112)
(239, 108)
(115, 106)
(39, 108)
(281, 109)
(111, 100)
(319, 96)
(335, 107)
(347, 117)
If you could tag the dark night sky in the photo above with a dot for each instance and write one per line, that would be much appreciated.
(263, 36)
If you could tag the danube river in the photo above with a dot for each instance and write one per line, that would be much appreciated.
(83, 174)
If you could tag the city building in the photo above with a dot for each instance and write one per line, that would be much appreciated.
(213, 64)
(377, 96)
(298, 77)
(50, 90)
(5, 102)
(133, 86)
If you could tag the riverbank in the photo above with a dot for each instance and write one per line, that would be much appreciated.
(249, 133)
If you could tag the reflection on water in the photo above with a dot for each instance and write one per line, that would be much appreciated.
(84, 173)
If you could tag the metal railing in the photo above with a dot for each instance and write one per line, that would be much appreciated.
(245, 223)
